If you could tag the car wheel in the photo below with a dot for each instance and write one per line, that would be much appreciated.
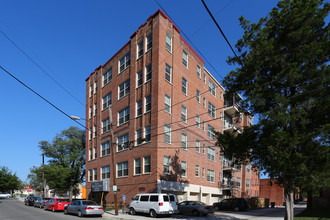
(80, 213)
(195, 212)
(65, 211)
(153, 214)
(236, 209)
(216, 208)
(132, 211)
(53, 209)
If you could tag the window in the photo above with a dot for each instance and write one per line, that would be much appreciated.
(221, 95)
(146, 164)
(210, 132)
(184, 86)
(203, 125)
(197, 171)
(199, 74)
(204, 102)
(90, 91)
(212, 88)
(107, 77)
(139, 77)
(105, 149)
(140, 49)
(169, 43)
(105, 172)
(122, 169)
(106, 101)
(212, 110)
(148, 72)
(90, 112)
(204, 79)
(123, 116)
(124, 62)
(90, 132)
(95, 87)
(105, 125)
(211, 154)
(95, 173)
(248, 168)
(95, 131)
(184, 114)
(95, 152)
(198, 121)
(247, 183)
(148, 103)
(239, 181)
(138, 108)
(198, 146)
(95, 108)
(210, 176)
(90, 175)
(137, 166)
(183, 168)
(250, 121)
(184, 142)
(168, 73)
(149, 42)
(168, 104)
(90, 154)
(198, 96)
(122, 142)
(147, 133)
(185, 58)
(139, 136)
(167, 164)
(124, 89)
(204, 148)
(167, 134)
(203, 172)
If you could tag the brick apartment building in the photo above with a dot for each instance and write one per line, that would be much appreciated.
(165, 107)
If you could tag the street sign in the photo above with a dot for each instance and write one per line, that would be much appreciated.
(115, 188)
(124, 197)
(101, 186)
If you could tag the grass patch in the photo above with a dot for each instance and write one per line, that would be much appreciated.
(314, 214)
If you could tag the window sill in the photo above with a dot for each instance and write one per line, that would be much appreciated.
(146, 173)
(148, 50)
(122, 124)
(120, 98)
(137, 175)
(121, 177)
(147, 81)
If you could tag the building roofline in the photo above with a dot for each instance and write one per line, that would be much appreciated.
(214, 78)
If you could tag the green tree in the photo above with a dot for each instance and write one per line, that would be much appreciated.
(283, 74)
(66, 168)
(8, 180)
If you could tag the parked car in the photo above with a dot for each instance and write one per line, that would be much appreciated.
(56, 204)
(5, 195)
(195, 208)
(29, 200)
(84, 207)
(40, 202)
(152, 203)
(236, 204)
(174, 202)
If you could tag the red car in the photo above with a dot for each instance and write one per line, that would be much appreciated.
(56, 204)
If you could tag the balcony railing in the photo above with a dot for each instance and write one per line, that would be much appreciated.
(230, 166)
(230, 127)
(230, 185)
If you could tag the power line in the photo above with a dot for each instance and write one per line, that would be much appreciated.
(220, 30)
(39, 95)
(43, 70)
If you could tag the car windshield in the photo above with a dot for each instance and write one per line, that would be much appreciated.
(201, 203)
(63, 200)
(89, 203)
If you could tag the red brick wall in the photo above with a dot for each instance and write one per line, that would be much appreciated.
(269, 189)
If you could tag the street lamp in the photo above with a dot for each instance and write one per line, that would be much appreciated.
(73, 117)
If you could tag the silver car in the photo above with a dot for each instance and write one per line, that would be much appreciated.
(84, 207)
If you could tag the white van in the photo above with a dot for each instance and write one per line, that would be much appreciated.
(152, 203)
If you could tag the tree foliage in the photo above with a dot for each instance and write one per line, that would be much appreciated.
(284, 76)
(66, 155)
(8, 180)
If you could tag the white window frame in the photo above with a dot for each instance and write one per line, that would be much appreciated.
(105, 149)
(139, 137)
(185, 58)
(210, 132)
(168, 73)
(90, 175)
(125, 116)
(149, 42)
(95, 108)
(212, 110)
(211, 154)
(90, 112)
(95, 153)
(147, 132)
(105, 172)
(197, 170)
(167, 133)
(139, 108)
(198, 96)
(126, 62)
(168, 104)
(184, 168)
(184, 87)
(106, 101)
(124, 166)
(139, 79)
(204, 102)
(125, 89)
(145, 164)
(184, 140)
(122, 142)
(198, 121)
(184, 114)
(199, 71)
(95, 86)
(198, 146)
(147, 101)
(212, 88)
(105, 125)
(168, 42)
(167, 165)
(135, 166)
(107, 77)
(139, 50)
(210, 176)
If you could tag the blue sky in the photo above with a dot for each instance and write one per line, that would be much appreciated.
(69, 39)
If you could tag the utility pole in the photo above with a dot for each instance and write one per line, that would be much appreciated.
(43, 175)
(113, 161)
